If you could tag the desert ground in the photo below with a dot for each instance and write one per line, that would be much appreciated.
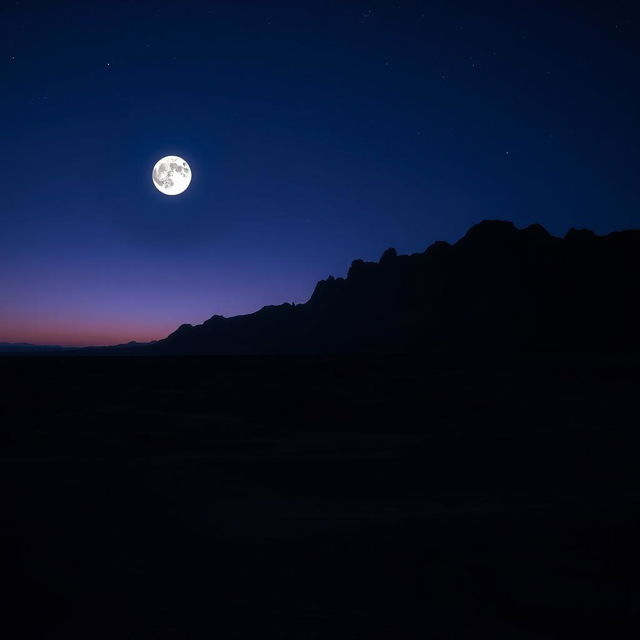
(320, 497)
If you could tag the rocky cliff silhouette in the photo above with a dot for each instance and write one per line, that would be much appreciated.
(498, 287)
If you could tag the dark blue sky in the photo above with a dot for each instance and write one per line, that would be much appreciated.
(317, 132)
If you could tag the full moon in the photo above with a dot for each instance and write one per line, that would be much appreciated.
(171, 175)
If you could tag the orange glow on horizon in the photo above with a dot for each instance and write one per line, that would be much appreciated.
(85, 336)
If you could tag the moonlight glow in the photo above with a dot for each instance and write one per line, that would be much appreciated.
(171, 175)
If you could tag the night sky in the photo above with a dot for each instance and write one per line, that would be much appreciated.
(317, 131)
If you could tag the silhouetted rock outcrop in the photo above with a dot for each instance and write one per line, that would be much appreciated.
(496, 288)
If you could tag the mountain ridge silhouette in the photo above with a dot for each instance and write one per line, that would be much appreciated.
(498, 287)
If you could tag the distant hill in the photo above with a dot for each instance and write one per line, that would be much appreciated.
(496, 288)
(28, 348)
(23, 347)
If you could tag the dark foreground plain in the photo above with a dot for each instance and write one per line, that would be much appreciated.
(334, 497)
